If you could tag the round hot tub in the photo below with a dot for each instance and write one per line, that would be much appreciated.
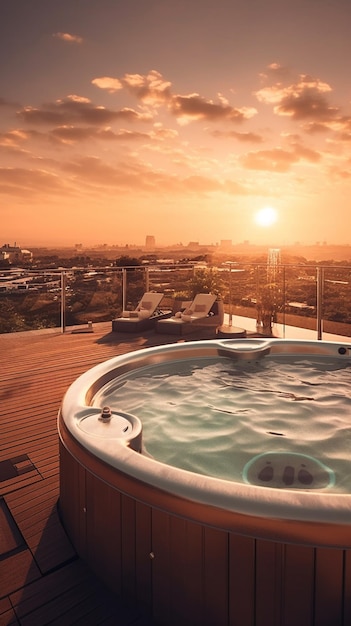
(211, 481)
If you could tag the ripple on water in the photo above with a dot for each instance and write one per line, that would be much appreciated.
(212, 415)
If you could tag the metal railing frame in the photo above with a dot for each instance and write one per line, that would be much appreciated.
(320, 270)
(319, 291)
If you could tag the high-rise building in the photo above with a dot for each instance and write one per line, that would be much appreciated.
(150, 243)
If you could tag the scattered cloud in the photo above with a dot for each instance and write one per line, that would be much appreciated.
(154, 90)
(177, 165)
(76, 109)
(69, 38)
(151, 89)
(302, 99)
(109, 84)
(247, 137)
(72, 134)
(17, 181)
(194, 107)
(278, 160)
(341, 174)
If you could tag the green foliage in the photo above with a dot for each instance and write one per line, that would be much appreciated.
(23, 312)
(205, 280)
(269, 303)
(127, 261)
(10, 319)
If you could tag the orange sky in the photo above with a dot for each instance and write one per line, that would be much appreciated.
(177, 119)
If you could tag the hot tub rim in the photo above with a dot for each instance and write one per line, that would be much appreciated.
(287, 504)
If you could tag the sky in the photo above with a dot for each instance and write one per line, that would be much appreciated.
(179, 119)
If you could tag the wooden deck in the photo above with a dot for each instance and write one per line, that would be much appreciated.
(42, 580)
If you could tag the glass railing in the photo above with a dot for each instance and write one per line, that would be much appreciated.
(272, 295)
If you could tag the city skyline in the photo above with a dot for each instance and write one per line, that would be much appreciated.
(185, 120)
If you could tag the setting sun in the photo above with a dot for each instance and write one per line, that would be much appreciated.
(266, 217)
(119, 149)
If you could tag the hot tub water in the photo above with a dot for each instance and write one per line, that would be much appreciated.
(213, 415)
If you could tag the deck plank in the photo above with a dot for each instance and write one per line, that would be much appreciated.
(45, 581)
(16, 571)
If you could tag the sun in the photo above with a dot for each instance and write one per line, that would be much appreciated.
(266, 216)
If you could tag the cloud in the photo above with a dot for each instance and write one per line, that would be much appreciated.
(307, 154)
(194, 107)
(14, 137)
(303, 99)
(109, 84)
(242, 137)
(76, 109)
(314, 128)
(70, 134)
(132, 176)
(151, 89)
(154, 90)
(68, 37)
(73, 134)
(341, 126)
(308, 103)
(341, 174)
(277, 159)
(275, 71)
(24, 182)
(201, 184)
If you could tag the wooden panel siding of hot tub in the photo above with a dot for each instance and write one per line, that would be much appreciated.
(190, 572)
(72, 491)
(185, 572)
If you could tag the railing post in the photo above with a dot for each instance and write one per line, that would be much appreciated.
(147, 279)
(258, 314)
(63, 301)
(284, 299)
(124, 289)
(230, 296)
(320, 280)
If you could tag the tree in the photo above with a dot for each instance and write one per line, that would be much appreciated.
(127, 261)
(205, 280)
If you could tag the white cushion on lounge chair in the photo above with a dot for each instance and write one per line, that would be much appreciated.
(146, 304)
(150, 301)
(146, 307)
(198, 308)
(196, 317)
(202, 304)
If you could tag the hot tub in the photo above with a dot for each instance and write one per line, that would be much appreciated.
(261, 535)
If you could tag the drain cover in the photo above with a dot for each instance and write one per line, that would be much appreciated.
(288, 470)
(17, 465)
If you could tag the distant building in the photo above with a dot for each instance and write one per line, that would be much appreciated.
(226, 244)
(150, 243)
(14, 254)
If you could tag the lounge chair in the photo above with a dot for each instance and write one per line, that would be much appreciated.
(204, 313)
(143, 317)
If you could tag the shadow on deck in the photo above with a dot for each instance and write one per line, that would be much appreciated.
(42, 580)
